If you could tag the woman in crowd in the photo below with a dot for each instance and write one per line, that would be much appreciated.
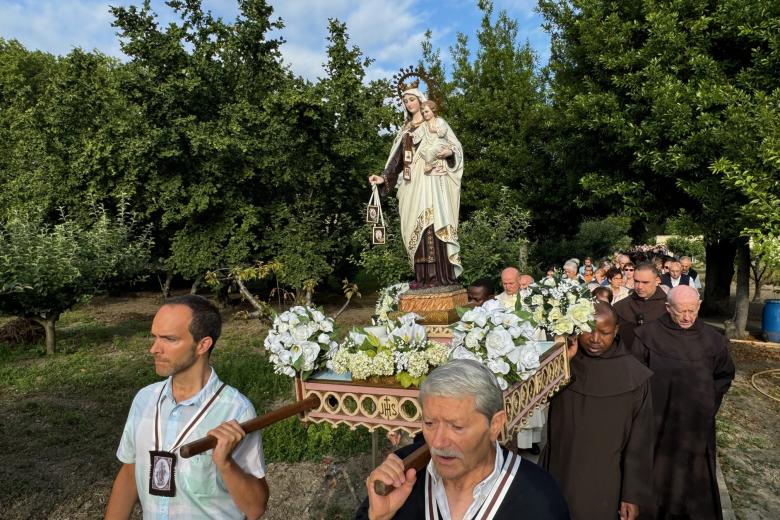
(619, 291)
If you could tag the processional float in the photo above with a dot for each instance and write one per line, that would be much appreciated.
(382, 402)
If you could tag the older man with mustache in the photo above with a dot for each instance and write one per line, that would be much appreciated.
(470, 475)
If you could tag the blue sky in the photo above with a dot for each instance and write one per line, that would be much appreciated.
(388, 31)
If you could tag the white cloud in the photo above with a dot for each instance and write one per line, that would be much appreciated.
(388, 31)
(58, 26)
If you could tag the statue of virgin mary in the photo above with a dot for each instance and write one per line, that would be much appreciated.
(428, 202)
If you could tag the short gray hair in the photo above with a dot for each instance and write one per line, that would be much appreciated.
(571, 264)
(465, 378)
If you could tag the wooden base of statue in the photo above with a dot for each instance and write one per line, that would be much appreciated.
(437, 308)
(383, 405)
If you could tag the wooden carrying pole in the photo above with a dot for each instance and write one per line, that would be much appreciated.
(207, 443)
(415, 460)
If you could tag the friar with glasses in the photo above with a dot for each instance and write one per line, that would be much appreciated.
(470, 476)
(692, 371)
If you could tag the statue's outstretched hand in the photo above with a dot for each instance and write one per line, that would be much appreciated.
(376, 179)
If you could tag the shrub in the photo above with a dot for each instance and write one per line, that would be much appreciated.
(686, 246)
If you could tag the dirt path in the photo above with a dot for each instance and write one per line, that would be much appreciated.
(749, 437)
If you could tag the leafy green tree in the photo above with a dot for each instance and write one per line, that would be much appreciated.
(45, 270)
(643, 93)
(203, 87)
(493, 238)
(599, 238)
(686, 246)
(495, 104)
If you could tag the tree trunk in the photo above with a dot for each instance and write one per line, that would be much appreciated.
(196, 284)
(261, 311)
(49, 327)
(167, 285)
(743, 290)
(720, 255)
(758, 271)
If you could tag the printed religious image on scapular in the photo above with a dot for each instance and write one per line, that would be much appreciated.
(162, 474)
(372, 214)
(378, 235)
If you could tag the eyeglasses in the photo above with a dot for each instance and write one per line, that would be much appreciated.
(628, 269)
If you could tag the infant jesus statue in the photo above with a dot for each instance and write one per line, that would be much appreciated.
(434, 139)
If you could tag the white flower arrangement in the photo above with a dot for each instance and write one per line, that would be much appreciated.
(299, 341)
(400, 349)
(388, 301)
(560, 306)
(499, 338)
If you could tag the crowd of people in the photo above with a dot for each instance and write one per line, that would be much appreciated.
(631, 436)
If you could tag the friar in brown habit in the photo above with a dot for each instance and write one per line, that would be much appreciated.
(692, 371)
(646, 304)
(600, 428)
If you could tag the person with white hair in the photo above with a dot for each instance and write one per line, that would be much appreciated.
(470, 475)
(692, 371)
(571, 272)
(428, 205)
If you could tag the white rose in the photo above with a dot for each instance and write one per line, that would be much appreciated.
(300, 333)
(529, 358)
(510, 319)
(498, 342)
(564, 325)
(323, 338)
(312, 328)
(288, 371)
(474, 337)
(477, 315)
(458, 337)
(582, 311)
(498, 366)
(464, 353)
(492, 305)
(554, 315)
(502, 383)
(284, 357)
(357, 337)
(537, 299)
(317, 315)
(326, 326)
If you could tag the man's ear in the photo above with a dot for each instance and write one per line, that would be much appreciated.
(204, 345)
(497, 424)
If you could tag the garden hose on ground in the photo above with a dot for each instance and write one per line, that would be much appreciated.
(753, 382)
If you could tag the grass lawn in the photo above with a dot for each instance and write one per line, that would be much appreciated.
(61, 416)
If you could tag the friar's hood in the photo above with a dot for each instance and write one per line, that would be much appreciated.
(615, 372)
(667, 339)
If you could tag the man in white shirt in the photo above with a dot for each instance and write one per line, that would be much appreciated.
(674, 277)
(191, 403)
(686, 263)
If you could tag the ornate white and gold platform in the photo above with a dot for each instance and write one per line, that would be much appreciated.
(388, 406)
